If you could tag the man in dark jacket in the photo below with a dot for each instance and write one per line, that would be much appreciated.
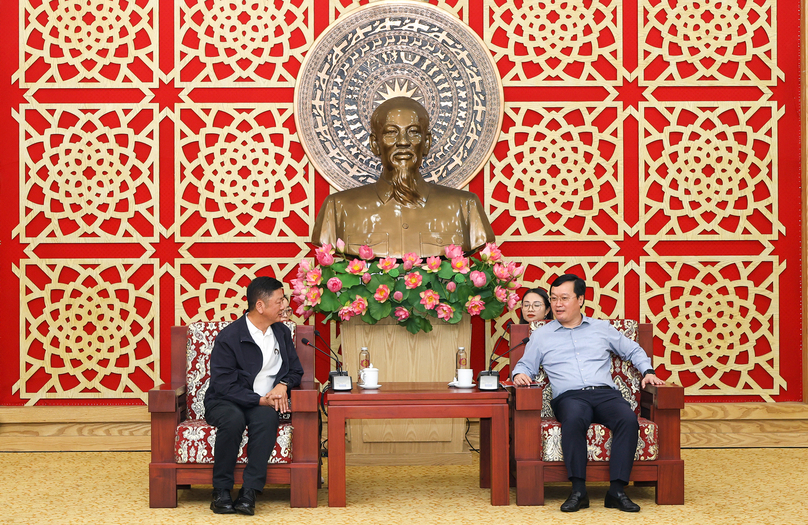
(253, 365)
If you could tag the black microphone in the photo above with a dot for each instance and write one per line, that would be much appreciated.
(524, 341)
(336, 355)
(493, 358)
(309, 343)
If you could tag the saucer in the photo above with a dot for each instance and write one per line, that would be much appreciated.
(454, 384)
(375, 387)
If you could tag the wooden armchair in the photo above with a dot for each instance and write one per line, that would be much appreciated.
(536, 438)
(182, 442)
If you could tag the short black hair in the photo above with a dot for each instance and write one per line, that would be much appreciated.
(261, 288)
(579, 286)
(544, 297)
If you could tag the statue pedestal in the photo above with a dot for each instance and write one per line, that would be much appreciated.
(402, 356)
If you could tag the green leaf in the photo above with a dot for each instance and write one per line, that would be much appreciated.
(349, 280)
(380, 310)
(339, 266)
(459, 278)
(492, 310)
(446, 271)
(329, 301)
(328, 273)
(426, 326)
(366, 317)
(393, 273)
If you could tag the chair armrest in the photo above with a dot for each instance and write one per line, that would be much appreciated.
(305, 397)
(667, 397)
(526, 405)
(165, 398)
(662, 404)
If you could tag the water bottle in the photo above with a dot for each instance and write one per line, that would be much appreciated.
(364, 361)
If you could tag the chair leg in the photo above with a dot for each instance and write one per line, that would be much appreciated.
(671, 483)
(304, 487)
(162, 486)
(529, 483)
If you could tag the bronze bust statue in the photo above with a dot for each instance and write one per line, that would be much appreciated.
(402, 212)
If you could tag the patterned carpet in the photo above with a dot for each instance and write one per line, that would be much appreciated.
(755, 486)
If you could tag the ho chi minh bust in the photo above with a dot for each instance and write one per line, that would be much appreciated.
(402, 212)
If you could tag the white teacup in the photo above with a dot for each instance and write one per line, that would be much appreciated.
(369, 376)
(464, 376)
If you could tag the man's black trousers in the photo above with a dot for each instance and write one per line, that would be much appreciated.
(577, 409)
(230, 420)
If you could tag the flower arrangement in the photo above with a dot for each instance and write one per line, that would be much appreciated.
(414, 290)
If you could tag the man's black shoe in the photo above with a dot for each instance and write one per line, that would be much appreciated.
(621, 502)
(245, 503)
(575, 501)
(222, 502)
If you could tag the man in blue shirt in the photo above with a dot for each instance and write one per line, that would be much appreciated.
(575, 352)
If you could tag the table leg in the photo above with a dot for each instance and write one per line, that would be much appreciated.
(336, 457)
(485, 452)
(500, 494)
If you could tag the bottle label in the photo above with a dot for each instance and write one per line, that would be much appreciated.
(364, 363)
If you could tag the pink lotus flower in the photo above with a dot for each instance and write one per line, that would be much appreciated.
(478, 278)
(445, 311)
(313, 296)
(512, 300)
(501, 272)
(460, 265)
(308, 313)
(324, 258)
(382, 293)
(304, 311)
(413, 280)
(334, 284)
(515, 270)
(387, 264)
(513, 285)
(453, 251)
(346, 312)
(451, 286)
(366, 278)
(314, 277)
(303, 268)
(491, 253)
(340, 246)
(432, 264)
(501, 294)
(475, 305)
(357, 267)
(360, 305)
(410, 260)
(402, 314)
(366, 252)
(430, 299)
(398, 296)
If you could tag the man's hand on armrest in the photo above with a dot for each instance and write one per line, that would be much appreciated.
(521, 380)
(651, 379)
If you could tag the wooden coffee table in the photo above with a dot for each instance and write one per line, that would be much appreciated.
(422, 400)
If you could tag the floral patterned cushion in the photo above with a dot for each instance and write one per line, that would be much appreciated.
(195, 439)
(599, 441)
(626, 377)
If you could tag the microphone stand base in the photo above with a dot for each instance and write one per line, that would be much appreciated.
(488, 380)
(340, 380)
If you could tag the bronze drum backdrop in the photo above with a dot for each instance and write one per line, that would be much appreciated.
(151, 167)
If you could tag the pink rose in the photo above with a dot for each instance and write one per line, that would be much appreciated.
(460, 264)
(501, 294)
(491, 253)
(324, 258)
(402, 314)
(475, 305)
(445, 311)
(410, 260)
(313, 296)
(453, 251)
(314, 277)
(432, 264)
(346, 312)
(366, 252)
(478, 278)
(340, 245)
(501, 272)
(382, 293)
(430, 299)
(413, 280)
(512, 300)
(334, 284)
(398, 296)
(360, 305)
(357, 267)
(366, 278)
(451, 286)
(387, 264)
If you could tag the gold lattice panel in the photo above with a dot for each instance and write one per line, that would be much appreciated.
(226, 43)
(242, 175)
(708, 42)
(605, 280)
(710, 171)
(88, 173)
(459, 8)
(90, 43)
(554, 41)
(88, 329)
(719, 320)
(214, 289)
(557, 172)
